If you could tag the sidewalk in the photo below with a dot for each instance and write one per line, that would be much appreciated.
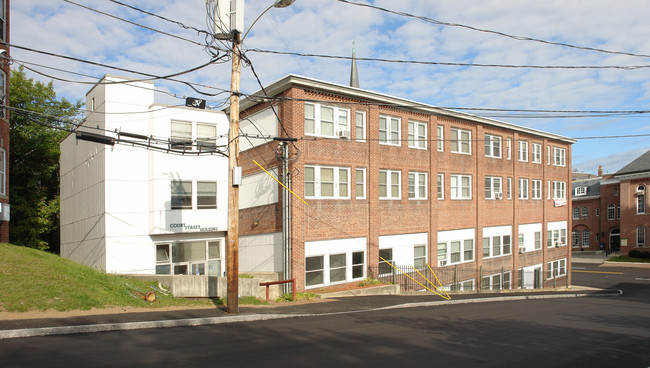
(212, 316)
(599, 257)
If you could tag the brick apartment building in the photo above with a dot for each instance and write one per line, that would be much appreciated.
(611, 212)
(483, 202)
(4, 122)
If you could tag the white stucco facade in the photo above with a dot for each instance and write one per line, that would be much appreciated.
(134, 210)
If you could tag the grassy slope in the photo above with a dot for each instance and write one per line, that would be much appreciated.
(34, 280)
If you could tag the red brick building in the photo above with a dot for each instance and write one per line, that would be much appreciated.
(483, 202)
(611, 212)
(4, 122)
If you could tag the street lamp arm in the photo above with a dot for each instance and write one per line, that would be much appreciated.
(276, 4)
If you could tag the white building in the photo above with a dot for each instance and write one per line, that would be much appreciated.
(130, 209)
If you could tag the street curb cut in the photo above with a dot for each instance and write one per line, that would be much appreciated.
(106, 327)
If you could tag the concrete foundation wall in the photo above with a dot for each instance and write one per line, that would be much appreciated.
(209, 286)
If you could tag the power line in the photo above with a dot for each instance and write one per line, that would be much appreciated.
(512, 66)
(518, 38)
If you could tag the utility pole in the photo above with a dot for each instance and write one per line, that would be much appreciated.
(232, 238)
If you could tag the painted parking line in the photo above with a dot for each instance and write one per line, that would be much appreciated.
(578, 268)
(640, 279)
(611, 273)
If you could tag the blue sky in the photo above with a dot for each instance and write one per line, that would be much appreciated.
(330, 27)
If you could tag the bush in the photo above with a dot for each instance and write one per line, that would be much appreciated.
(635, 253)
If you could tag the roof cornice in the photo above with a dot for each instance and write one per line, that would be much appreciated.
(293, 80)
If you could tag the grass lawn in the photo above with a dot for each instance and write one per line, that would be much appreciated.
(628, 259)
(35, 280)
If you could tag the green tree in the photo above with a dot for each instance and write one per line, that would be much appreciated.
(38, 123)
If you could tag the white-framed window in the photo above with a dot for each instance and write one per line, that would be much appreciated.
(328, 269)
(360, 126)
(556, 237)
(523, 188)
(548, 189)
(611, 212)
(496, 246)
(467, 285)
(580, 191)
(537, 153)
(640, 236)
(327, 182)
(585, 212)
(497, 281)
(548, 155)
(390, 184)
(201, 257)
(556, 268)
(509, 189)
(461, 186)
(492, 146)
(455, 251)
(327, 121)
(441, 186)
(385, 261)
(389, 130)
(360, 183)
(559, 190)
(575, 239)
(509, 148)
(3, 81)
(461, 141)
(417, 185)
(640, 200)
(585, 239)
(419, 256)
(314, 270)
(493, 187)
(441, 138)
(417, 134)
(3, 171)
(523, 151)
(188, 195)
(185, 133)
(538, 240)
(576, 213)
(537, 189)
(559, 156)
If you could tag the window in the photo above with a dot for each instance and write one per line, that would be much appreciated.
(498, 281)
(538, 240)
(575, 239)
(3, 31)
(181, 135)
(467, 285)
(324, 182)
(314, 267)
(389, 130)
(580, 191)
(496, 246)
(360, 126)
(417, 185)
(189, 258)
(640, 236)
(389, 184)
(181, 195)
(385, 257)
(206, 137)
(492, 146)
(441, 139)
(585, 212)
(537, 189)
(460, 141)
(585, 239)
(493, 187)
(548, 155)
(521, 243)
(206, 195)
(556, 238)
(327, 121)
(576, 213)
(618, 211)
(417, 134)
(3, 172)
(509, 148)
(3, 88)
(597, 211)
(559, 156)
(509, 188)
(523, 151)
(461, 186)
(419, 256)
(537, 153)
(358, 265)
(337, 267)
(523, 188)
(457, 251)
(556, 268)
(441, 186)
(611, 214)
(559, 190)
(361, 183)
(640, 200)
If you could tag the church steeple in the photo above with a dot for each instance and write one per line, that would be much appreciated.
(354, 74)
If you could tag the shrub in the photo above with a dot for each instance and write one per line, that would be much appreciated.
(635, 253)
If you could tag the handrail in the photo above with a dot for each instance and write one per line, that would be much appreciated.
(268, 284)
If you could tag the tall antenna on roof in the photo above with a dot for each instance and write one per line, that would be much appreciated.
(354, 74)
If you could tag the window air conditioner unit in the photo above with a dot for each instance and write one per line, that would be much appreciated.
(498, 195)
(442, 263)
(521, 249)
(344, 134)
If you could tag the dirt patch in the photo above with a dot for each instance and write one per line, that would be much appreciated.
(91, 312)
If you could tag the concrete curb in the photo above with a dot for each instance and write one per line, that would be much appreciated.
(66, 330)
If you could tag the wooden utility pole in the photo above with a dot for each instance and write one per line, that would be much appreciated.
(232, 238)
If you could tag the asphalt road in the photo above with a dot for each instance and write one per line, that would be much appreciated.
(575, 332)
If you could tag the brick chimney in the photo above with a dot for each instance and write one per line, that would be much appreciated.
(600, 170)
